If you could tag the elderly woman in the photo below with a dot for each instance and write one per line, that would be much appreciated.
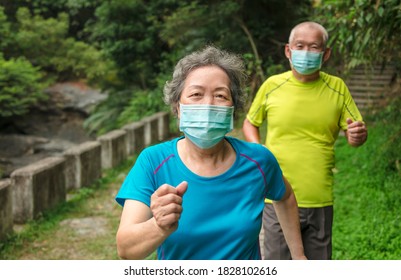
(201, 195)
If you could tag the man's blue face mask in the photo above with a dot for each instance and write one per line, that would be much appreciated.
(206, 125)
(306, 62)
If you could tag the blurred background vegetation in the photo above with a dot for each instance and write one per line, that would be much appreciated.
(128, 48)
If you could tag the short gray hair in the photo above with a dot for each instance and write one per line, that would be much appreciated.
(231, 63)
(314, 25)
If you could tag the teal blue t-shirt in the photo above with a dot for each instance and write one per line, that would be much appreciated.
(222, 215)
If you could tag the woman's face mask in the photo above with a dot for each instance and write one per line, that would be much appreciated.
(206, 125)
(306, 62)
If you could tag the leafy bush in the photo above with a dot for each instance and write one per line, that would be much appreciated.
(361, 31)
(45, 43)
(123, 107)
(20, 87)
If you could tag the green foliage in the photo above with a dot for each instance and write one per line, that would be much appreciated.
(45, 43)
(125, 31)
(104, 118)
(390, 118)
(4, 29)
(144, 103)
(367, 189)
(80, 12)
(115, 112)
(363, 31)
(194, 24)
(258, 29)
(20, 87)
(145, 47)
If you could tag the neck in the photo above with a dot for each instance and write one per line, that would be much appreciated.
(209, 162)
(214, 153)
(306, 78)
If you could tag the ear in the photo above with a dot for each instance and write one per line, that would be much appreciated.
(287, 51)
(326, 54)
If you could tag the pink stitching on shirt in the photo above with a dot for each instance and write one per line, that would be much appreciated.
(257, 164)
(163, 162)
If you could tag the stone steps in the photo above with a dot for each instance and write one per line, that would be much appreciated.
(371, 87)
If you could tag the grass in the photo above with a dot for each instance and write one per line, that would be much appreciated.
(367, 191)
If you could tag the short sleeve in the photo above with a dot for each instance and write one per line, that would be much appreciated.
(349, 110)
(139, 183)
(274, 176)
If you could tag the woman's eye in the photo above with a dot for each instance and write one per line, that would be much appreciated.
(222, 96)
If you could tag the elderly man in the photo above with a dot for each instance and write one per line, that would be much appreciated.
(305, 109)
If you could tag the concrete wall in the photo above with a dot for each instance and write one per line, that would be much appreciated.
(151, 129)
(43, 185)
(114, 148)
(38, 187)
(83, 165)
(135, 137)
(6, 208)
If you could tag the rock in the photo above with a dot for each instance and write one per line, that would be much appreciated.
(50, 128)
(15, 145)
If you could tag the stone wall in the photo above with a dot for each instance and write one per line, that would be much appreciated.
(43, 185)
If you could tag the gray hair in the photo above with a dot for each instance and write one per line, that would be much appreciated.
(231, 63)
(314, 25)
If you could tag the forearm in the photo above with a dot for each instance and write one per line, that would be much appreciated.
(137, 241)
(288, 216)
(251, 132)
(143, 228)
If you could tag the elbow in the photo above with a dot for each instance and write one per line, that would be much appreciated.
(124, 251)
(129, 249)
(251, 132)
(121, 253)
(121, 250)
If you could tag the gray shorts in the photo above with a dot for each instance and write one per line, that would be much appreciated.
(316, 230)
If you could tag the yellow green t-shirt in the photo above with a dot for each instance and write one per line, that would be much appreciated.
(303, 122)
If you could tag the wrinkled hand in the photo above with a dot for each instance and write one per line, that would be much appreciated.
(166, 206)
(356, 133)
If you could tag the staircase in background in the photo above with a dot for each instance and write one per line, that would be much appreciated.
(371, 88)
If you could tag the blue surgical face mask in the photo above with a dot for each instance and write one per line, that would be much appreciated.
(206, 125)
(306, 62)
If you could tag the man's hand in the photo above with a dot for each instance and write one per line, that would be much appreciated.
(356, 133)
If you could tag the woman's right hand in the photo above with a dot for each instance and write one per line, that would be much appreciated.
(166, 206)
